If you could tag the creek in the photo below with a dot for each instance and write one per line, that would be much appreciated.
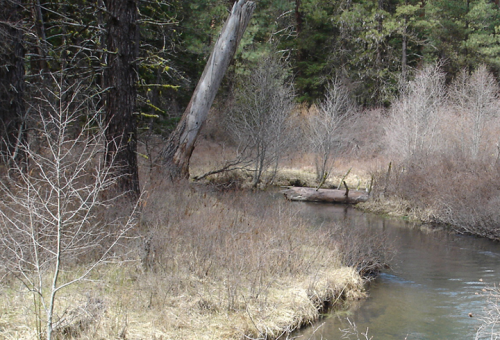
(436, 279)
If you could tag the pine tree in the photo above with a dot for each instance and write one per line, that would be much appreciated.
(483, 34)
(120, 77)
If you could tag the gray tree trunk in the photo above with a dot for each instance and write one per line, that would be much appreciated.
(325, 195)
(180, 144)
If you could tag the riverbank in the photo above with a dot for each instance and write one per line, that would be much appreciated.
(395, 207)
(202, 265)
(122, 305)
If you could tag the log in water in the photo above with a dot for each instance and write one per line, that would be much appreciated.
(325, 195)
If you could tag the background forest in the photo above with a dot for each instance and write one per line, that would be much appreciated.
(371, 45)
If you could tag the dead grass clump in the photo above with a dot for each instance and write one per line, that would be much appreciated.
(229, 180)
(365, 251)
(243, 261)
(300, 177)
(79, 320)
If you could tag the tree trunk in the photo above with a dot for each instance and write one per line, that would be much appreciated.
(120, 77)
(299, 26)
(404, 47)
(180, 144)
(12, 87)
(41, 47)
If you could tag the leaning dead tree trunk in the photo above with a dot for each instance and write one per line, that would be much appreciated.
(180, 145)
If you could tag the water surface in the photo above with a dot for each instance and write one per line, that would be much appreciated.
(437, 278)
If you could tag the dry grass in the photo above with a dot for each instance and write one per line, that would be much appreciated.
(397, 207)
(210, 265)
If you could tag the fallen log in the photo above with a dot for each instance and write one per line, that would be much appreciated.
(325, 195)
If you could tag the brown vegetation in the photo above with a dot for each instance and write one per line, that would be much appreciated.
(205, 261)
(209, 264)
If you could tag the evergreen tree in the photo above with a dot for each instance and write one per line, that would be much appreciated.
(160, 80)
(446, 33)
(483, 34)
(370, 41)
(316, 34)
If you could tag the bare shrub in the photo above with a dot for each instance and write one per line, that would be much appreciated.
(471, 200)
(451, 176)
(327, 127)
(490, 318)
(474, 99)
(259, 121)
(412, 129)
(450, 189)
(466, 194)
(364, 250)
(50, 233)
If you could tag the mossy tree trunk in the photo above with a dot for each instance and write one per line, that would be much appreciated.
(120, 77)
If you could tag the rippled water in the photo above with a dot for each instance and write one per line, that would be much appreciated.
(437, 279)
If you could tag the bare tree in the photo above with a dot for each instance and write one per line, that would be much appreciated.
(414, 117)
(259, 122)
(181, 142)
(48, 213)
(326, 127)
(475, 98)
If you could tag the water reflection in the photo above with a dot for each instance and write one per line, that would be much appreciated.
(436, 280)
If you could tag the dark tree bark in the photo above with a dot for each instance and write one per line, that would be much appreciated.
(120, 77)
(12, 86)
(404, 47)
(299, 17)
(39, 62)
(180, 144)
(299, 26)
